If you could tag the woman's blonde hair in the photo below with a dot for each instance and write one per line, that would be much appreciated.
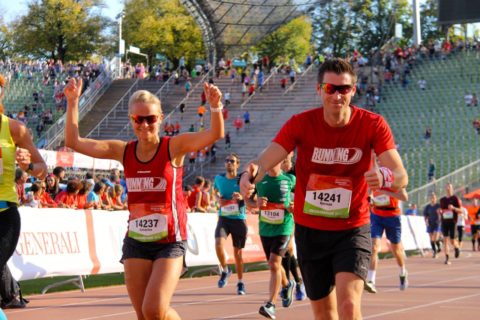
(144, 96)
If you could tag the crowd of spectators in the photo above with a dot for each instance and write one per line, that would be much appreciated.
(102, 191)
(41, 105)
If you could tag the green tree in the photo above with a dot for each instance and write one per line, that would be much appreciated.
(60, 29)
(429, 21)
(334, 25)
(378, 18)
(293, 40)
(6, 40)
(162, 26)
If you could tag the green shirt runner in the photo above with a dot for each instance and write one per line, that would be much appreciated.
(278, 190)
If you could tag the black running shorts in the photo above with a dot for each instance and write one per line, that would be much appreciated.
(323, 254)
(277, 245)
(151, 250)
(236, 227)
(449, 229)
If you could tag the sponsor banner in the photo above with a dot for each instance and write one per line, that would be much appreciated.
(77, 160)
(109, 229)
(57, 242)
(52, 242)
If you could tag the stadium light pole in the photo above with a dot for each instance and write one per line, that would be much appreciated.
(417, 35)
(120, 17)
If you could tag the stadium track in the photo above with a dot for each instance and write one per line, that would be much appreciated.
(436, 291)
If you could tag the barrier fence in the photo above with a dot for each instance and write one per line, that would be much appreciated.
(61, 242)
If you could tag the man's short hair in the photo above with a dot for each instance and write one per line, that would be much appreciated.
(233, 154)
(337, 66)
(199, 180)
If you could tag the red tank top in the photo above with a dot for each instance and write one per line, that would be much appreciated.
(155, 198)
(384, 205)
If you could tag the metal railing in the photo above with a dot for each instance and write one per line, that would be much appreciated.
(55, 133)
(290, 88)
(126, 130)
(121, 105)
(266, 83)
(460, 179)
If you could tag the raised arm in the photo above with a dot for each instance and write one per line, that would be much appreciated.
(103, 149)
(194, 141)
(390, 173)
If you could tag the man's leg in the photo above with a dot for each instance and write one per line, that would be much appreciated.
(220, 250)
(349, 289)
(372, 270)
(325, 308)
(238, 262)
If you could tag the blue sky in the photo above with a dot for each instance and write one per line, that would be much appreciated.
(13, 8)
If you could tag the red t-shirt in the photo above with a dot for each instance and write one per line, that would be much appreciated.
(343, 153)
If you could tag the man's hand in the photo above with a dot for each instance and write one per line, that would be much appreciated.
(374, 178)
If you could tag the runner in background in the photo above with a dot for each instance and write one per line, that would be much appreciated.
(231, 220)
(289, 261)
(451, 207)
(474, 214)
(386, 216)
(275, 227)
(432, 214)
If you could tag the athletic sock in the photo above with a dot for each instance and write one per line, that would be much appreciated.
(433, 246)
(371, 275)
(286, 264)
(294, 269)
(240, 280)
(446, 257)
(403, 271)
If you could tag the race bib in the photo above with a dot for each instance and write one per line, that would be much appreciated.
(477, 222)
(148, 222)
(230, 208)
(381, 200)
(328, 196)
(273, 213)
(447, 214)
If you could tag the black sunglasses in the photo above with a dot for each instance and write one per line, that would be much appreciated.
(229, 160)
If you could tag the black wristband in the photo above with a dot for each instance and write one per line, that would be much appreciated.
(239, 176)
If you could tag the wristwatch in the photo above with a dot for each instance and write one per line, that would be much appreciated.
(30, 167)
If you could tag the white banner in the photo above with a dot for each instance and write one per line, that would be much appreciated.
(81, 242)
(77, 160)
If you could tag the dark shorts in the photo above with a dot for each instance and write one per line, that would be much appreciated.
(151, 250)
(435, 227)
(391, 225)
(323, 254)
(277, 245)
(449, 229)
(460, 230)
(475, 229)
(236, 227)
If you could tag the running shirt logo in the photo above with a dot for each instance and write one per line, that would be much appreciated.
(336, 155)
(146, 184)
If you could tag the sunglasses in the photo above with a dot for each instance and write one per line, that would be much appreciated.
(329, 88)
(229, 160)
(151, 119)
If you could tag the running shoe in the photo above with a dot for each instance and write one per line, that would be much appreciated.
(369, 286)
(241, 288)
(434, 254)
(300, 292)
(287, 300)
(404, 281)
(447, 262)
(15, 303)
(457, 252)
(224, 278)
(268, 310)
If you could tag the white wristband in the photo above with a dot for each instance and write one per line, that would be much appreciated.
(217, 109)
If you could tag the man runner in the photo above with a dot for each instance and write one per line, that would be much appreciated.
(231, 220)
(334, 145)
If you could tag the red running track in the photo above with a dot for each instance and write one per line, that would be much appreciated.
(437, 291)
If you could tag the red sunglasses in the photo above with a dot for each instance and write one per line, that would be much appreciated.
(329, 88)
(151, 119)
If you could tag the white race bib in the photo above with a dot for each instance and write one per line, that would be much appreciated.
(230, 208)
(328, 196)
(447, 214)
(273, 213)
(381, 200)
(152, 227)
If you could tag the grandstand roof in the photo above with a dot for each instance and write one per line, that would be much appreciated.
(232, 25)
